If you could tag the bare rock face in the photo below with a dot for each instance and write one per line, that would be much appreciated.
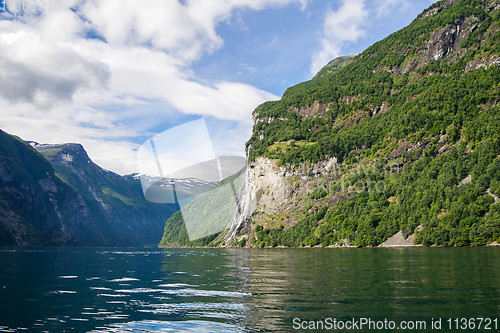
(280, 190)
(444, 43)
(348, 99)
(383, 108)
(272, 189)
(482, 63)
(316, 109)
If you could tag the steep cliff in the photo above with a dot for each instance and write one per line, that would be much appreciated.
(400, 140)
(405, 122)
(33, 201)
(58, 196)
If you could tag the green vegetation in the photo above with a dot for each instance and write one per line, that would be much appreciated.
(427, 193)
(414, 122)
(21, 170)
(333, 66)
(319, 193)
(437, 121)
(437, 97)
(57, 196)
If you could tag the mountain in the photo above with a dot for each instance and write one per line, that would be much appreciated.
(55, 195)
(399, 144)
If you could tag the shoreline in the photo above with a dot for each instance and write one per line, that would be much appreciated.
(494, 244)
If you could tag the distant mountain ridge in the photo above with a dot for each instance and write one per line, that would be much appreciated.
(55, 195)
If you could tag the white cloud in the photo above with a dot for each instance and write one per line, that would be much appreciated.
(357, 19)
(39, 71)
(184, 31)
(63, 68)
(99, 132)
(386, 7)
(340, 27)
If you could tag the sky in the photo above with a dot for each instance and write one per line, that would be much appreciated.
(110, 74)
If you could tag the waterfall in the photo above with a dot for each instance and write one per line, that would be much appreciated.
(246, 205)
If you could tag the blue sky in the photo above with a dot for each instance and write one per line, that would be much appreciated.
(161, 63)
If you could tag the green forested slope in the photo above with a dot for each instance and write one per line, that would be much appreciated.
(202, 221)
(415, 114)
(424, 101)
(414, 122)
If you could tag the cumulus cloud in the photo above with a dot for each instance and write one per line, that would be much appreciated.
(41, 60)
(185, 31)
(40, 70)
(82, 58)
(340, 27)
(145, 73)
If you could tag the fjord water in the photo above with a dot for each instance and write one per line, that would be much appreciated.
(239, 290)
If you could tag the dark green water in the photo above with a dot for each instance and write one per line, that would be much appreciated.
(233, 290)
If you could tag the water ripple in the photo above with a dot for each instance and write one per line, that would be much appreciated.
(198, 326)
(125, 279)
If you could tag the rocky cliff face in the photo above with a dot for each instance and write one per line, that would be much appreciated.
(274, 194)
(58, 196)
(445, 44)
(376, 145)
(333, 161)
(276, 186)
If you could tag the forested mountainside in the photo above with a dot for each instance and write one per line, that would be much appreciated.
(58, 196)
(402, 137)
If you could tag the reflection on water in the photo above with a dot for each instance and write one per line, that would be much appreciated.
(239, 290)
(172, 326)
